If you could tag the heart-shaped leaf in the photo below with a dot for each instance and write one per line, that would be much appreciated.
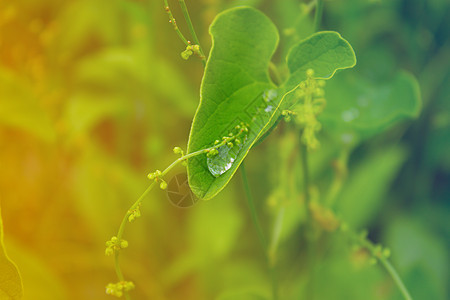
(236, 88)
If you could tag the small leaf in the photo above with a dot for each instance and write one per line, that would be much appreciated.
(10, 281)
(325, 52)
(236, 88)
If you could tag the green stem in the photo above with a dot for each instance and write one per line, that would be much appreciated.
(262, 239)
(398, 281)
(318, 15)
(389, 268)
(311, 251)
(192, 30)
(305, 168)
(251, 205)
(341, 171)
(174, 23)
(141, 198)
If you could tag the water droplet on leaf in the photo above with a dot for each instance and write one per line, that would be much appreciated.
(222, 161)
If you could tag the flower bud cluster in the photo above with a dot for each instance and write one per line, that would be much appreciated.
(235, 137)
(133, 214)
(114, 245)
(190, 50)
(117, 289)
(306, 112)
(157, 177)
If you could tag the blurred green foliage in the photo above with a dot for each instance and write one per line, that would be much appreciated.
(94, 95)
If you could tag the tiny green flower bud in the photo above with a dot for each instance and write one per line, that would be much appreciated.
(230, 144)
(163, 185)
(177, 150)
(123, 244)
(109, 251)
(310, 73)
(186, 54)
(386, 252)
(216, 142)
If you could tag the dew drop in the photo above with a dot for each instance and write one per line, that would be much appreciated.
(268, 109)
(223, 161)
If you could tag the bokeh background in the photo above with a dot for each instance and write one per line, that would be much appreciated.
(94, 95)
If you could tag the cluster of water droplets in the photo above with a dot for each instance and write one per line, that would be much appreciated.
(260, 116)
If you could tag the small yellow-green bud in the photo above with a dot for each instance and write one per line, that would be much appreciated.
(163, 185)
(123, 244)
(177, 150)
(230, 144)
(310, 73)
(186, 54)
(109, 251)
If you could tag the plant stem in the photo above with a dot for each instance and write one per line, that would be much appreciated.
(141, 198)
(309, 229)
(262, 239)
(318, 15)
(305, 168)
(174, 23)
(251, 205)
(192, 30)
(341, 171)
(389, 268)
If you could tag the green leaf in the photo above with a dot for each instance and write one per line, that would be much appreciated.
(235, 77)
(360, 108)
(236, 88)
(325, 52)
(10, 281)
